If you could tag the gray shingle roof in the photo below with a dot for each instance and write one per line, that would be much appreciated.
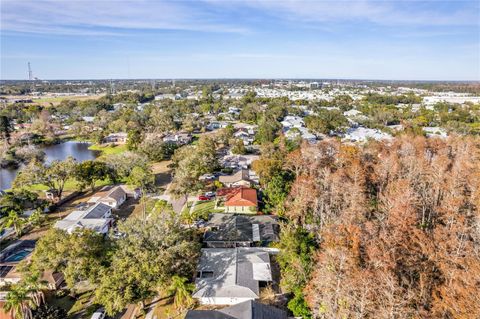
(239, 228)
(244, 310)
(236, 272)
(117, 193)
(238, 176)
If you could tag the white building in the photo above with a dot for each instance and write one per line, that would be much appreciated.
(96, 217)
(228, 276)
(362, 134)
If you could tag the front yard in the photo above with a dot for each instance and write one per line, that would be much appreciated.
(201, 210)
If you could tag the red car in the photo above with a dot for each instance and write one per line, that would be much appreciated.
(201, 197)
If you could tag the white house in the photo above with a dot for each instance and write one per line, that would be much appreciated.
(362, 134)
(96, 217)
(117, 138)
(114, 197)
(228, 276)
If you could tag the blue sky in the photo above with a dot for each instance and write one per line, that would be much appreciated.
(364, 39)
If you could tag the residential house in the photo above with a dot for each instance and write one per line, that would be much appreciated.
(95, 217)
(238, 161)
(303, 132)
(178, 138)
(227, 230)
(245, 310)
(117, 138)
(244, 126)
(362, 134)
(113, 197)
(240, 178)
(290, 121)
(244, 136)
(242, 201)
(228, 276)
(216, 125)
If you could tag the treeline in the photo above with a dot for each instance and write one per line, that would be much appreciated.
(386, 230)
(387, 99)
(148, 256)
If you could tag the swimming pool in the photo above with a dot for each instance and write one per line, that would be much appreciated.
(19, 255)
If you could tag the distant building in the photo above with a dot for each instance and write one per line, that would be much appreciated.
(362, 134)
(116, 138)
(216, 125)
(178, 138)
(239, 161)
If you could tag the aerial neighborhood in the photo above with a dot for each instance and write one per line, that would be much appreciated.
(235, 198)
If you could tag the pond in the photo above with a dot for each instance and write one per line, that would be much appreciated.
(79, 151)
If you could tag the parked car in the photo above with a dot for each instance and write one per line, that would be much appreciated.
(207, 177)
(99, 314)
(210, 194)
(202, 197)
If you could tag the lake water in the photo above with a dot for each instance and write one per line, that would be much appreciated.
(79, 151)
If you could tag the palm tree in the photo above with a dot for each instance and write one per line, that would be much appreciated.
(181, 290)
(37, 218)
(35, 288)
(15, 220)
(19, 303)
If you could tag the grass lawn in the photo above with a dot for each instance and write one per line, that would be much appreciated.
(83, 306)
(108, 149)
(70, 186)
(65, 302)
(80, 307)
(138, 210)
(202, 209)
(55, 100)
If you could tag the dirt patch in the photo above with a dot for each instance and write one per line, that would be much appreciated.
(127, 208)
(163, 173)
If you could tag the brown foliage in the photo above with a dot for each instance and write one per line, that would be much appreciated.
(398, 225)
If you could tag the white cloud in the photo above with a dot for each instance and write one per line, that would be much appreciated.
(382, 12)
(106, 17)
(118, 17)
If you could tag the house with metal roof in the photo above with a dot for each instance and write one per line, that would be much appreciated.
(228, 276)
(227, 230)
(244, 310)
(96, 217)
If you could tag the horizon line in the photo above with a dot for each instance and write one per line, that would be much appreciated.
(242, 78)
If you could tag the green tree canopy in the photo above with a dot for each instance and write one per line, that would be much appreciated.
(146, 258)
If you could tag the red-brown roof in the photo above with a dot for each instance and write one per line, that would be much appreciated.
(228, 191)
(243, 197)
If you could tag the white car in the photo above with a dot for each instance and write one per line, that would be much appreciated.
(210, 194)
(99, 314)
